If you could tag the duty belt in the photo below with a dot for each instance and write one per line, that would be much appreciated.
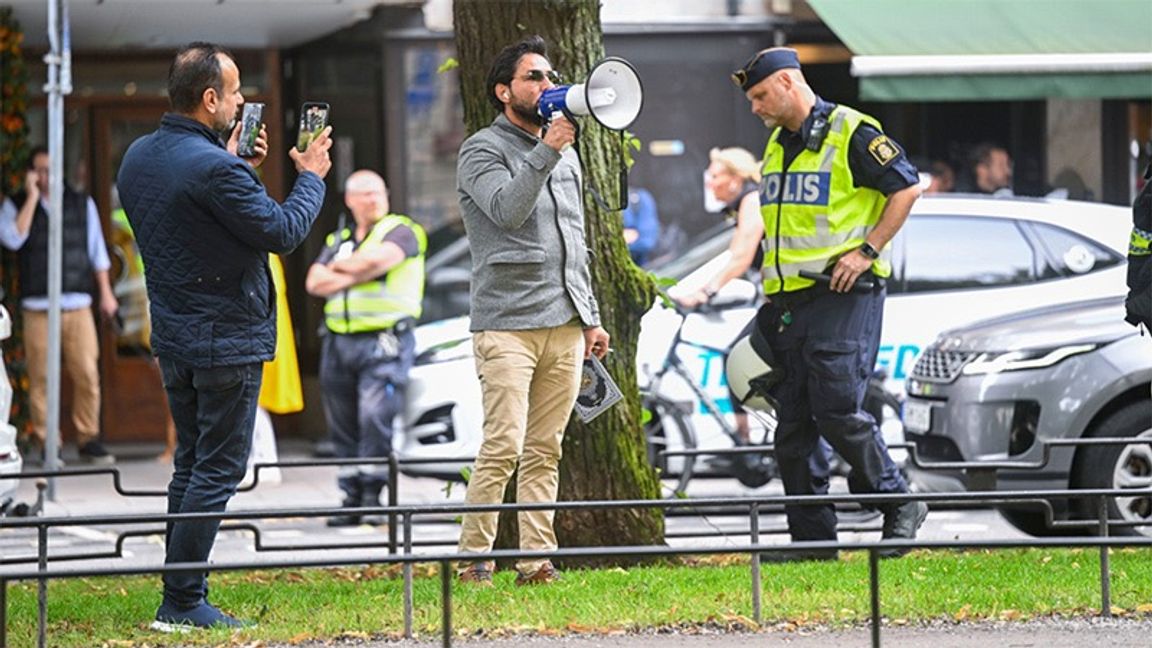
(797, 298)
(399, 328)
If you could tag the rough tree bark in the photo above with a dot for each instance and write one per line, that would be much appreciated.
(606, 459)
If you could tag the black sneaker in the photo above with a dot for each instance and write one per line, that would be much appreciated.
(902, 522)
(205, 615)
(93, 452)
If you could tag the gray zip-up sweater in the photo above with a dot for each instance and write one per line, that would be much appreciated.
(524, 217)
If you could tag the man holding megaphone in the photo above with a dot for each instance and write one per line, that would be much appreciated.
(534, 317)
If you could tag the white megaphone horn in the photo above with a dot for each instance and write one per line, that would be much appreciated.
(612, 95)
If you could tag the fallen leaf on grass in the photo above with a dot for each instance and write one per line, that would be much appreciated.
(1010, 615)
(963, 613)
(742, 620)
(1144, 608)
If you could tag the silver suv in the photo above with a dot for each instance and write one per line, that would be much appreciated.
(996, 390)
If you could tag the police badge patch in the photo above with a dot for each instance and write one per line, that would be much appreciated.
(883, 149)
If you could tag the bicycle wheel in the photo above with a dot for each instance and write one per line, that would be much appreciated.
(666, 421)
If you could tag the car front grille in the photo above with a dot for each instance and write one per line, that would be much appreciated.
(939, 366)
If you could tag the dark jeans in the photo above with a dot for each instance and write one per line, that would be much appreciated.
(827, 354)
(214, 411)
(363, 393)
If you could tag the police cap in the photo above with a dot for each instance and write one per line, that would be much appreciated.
(766, 63)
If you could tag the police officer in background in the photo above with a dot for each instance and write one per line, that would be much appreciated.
(1138, 305)
(372, 278)
(835, 190)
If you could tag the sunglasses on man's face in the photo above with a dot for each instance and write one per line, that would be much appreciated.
(536, 76)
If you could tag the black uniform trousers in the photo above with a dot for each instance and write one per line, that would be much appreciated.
(826, 346)
(363, 391)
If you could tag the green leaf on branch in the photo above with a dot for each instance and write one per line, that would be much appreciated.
(449, 63)
(629, 143)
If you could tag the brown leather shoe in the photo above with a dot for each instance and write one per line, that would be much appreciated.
(542, 576)
(479, 573)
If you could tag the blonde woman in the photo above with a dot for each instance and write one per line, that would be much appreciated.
(733, 177)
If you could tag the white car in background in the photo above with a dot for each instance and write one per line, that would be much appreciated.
(958, 259)
(10, 461)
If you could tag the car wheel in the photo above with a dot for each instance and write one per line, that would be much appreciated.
(664, 421)
(1119, 467)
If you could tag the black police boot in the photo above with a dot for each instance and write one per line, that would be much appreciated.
(901, 522)
(371, 498)
(351, 500)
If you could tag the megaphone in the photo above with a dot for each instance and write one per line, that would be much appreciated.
(612, 95)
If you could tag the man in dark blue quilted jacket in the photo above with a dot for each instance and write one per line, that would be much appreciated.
(205, 226)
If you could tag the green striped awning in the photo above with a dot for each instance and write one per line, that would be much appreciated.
(945, 50)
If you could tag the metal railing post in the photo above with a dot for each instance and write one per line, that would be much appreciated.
(754, 523)
(393, 498)
(874, 587)
(42, 589)
(3, 612)
(446, 602)
(407, 569)
(1105, 560)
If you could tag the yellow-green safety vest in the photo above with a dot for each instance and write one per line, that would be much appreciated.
(381, 303)
(1140, 244)
(820, 214)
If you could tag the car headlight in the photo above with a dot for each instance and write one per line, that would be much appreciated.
(445, 352)
(996, 362)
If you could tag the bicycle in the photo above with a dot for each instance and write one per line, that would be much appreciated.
(670, 414)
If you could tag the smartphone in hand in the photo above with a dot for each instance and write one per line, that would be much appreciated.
(313, 120)
(249, 129)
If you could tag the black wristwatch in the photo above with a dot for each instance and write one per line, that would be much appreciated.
(867, 250)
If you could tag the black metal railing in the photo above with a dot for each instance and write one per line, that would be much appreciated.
(404, 518)
(406, 513)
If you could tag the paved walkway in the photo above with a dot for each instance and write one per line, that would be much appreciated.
(1066, 633)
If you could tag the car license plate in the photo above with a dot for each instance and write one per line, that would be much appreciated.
(917, 416)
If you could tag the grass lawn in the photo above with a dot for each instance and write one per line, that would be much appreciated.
(320, 604)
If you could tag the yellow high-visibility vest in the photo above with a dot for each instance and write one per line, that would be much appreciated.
(377, 305)
(819, 212)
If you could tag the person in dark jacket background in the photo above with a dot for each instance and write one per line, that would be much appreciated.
(205, 225)
(1139, 302)
(85, 264)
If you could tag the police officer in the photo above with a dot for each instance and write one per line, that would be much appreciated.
(1138, 305)
(372, 277)
(835, 190)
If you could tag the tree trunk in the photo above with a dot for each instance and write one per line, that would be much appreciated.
(607, 459)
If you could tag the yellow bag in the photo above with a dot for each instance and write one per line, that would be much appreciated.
(281, 392)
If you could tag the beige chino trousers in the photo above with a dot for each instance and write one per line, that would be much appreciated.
(79, 358)
(529, 380)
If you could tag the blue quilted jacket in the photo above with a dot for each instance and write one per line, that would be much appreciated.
(205, 225)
